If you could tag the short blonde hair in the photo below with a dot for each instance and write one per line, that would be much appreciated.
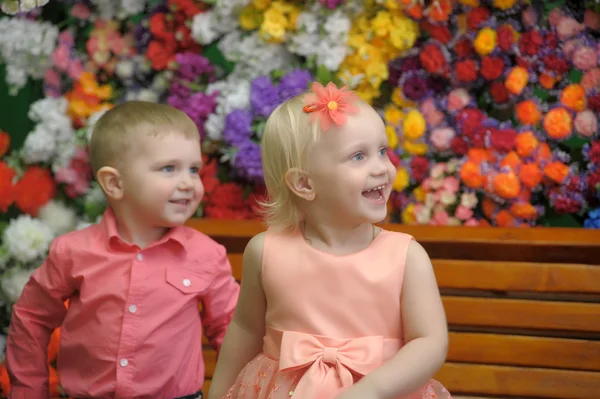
(286, 141)
(116, 132)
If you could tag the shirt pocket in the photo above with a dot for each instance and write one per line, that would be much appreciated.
(187, 281)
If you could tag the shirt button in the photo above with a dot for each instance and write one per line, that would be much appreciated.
(187, 282)
(132, 308)
(124, 362)
(140, 257)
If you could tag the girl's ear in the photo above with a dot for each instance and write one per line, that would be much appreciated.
(298, 181)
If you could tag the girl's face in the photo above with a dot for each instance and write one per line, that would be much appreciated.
(350, 172)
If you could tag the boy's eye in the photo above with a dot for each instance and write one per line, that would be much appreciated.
(169, 168)
(358, 156)
(195, 170)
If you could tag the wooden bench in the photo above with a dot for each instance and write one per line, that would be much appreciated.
(523, 306)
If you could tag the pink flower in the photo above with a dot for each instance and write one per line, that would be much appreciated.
(555, 16)
(442, 137)
(80, 11)
(471, 223)
(66, 38)
(458, 99)
(432, 115)
(591, 80)
(568, 27)
(75, 69)
(329, 104)
(591, 19)
(570, 46)
(440, 217)
(438, 170)
(52, 81)
(451, 184)
(586, 123)
(585, 58)
(463, 213)
(529, 17)
(77, 175)
(60, 57)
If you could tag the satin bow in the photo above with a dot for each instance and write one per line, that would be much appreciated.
(331, 362)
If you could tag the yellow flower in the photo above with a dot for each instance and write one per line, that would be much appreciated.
(273, 26)
(408, 214)
(469, 3)
(356, 40)
(293, 18)
(419, 194)
(485, 42)
(367, 92)
(415, 148)
(261, 4)
(382, 23)
(402, 180)
(250, 17)
(399, 100)
(504, 4)
(392, 115)
(392, 136)
(414, 125)
(404, 33)
(392, 4)
(377, 73)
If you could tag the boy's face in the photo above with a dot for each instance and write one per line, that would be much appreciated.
(161, 181)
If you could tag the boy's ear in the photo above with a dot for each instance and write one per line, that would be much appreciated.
(299, 182)
(110, 180)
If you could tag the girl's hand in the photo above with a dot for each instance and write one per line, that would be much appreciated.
(362, 390)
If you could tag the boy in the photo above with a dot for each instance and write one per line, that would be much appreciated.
(135, 280)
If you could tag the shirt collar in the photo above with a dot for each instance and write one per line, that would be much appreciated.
(176, 234)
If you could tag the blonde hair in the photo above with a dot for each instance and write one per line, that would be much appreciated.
(116, 132)
(286, 141)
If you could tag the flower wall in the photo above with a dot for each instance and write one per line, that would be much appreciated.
(491, 106)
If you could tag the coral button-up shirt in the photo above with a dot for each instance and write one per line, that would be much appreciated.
(133, 328)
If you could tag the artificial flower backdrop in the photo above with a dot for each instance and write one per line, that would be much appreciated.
(491, 106)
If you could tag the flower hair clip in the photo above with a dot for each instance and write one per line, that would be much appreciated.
(329, 104)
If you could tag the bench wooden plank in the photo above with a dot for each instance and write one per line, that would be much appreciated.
(527, 314)
(502, 276)
(518, 381)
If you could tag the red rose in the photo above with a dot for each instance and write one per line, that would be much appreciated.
(394, 158)
(565, 205)
(503, 140)
(466, 70)
(505, 37)
(464, 47)
(469, 119)
(227, 202)
(594, 153)
(550, 40)
(160, 54)
(492, 67)
(459, 146)
(593, 181)
(555, 63)
(476, 17)
(7, 174)
(594, 103)
(433, 59)
(477, 138)
(530, 43)
(440, 33)
(160, 27)
(419, 166)
(499, 92)
(34, 190)
(524, 62)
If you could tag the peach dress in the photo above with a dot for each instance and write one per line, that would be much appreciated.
(330, 319)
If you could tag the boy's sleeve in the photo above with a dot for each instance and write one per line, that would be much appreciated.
(37, 313)
(219, 300)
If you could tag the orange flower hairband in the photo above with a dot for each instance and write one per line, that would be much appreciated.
(329, 104)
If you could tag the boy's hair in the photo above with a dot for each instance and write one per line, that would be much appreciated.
(116, 132)
(286, 141)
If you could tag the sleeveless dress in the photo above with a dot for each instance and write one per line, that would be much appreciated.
(330, 319)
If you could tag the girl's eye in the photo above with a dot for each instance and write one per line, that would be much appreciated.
(358, 157)
(169, 168)
(383, 151)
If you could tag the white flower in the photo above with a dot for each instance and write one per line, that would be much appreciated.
(331, 56)
(13, 282)
(447, 198)
(337, 26)
(60, 218)
(468, 200)
(132, 7)
(125, 68)
(39, 146)
(162, 81)
(423, 216)
(307, 22)
(204, 29)
(14, 6)
(27, 239)
(214, 125)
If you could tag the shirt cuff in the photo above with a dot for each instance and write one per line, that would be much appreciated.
(17, 392)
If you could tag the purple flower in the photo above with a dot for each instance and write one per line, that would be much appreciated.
(238, 127)
(198, 107)
(294, 83)
(399, 66)
(248, 162)
(142, 37)
(191, 66)
(414, 88)
(264, 97)
(331, 4)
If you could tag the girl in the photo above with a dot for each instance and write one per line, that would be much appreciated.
(331, 306)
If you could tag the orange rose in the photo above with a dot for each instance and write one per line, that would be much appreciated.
(479, 155)
(506, 185)
(526, 143)
(489, 207)
(505, 219)
(511, 160)
(4, 143)
(544, 152)
(439, 10)
(573, 97)
(516, 80)
(547, 81)
(523, 210)
(558, 123)
(470, 174)
(527, 112)
(531, 175)
(556, 171)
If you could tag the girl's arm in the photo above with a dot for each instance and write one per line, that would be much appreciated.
(244, 337)
(425, 334)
